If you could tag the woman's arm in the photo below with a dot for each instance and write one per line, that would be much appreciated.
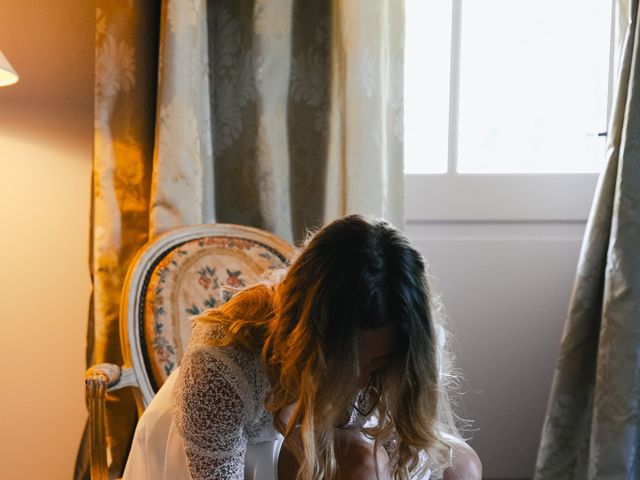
(210, 415)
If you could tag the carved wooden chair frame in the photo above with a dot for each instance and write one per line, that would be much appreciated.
(106, 377)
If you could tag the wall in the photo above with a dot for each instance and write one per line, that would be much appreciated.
(45, 171)
(506, 287)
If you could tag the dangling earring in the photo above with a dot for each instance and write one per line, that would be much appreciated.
(368, 399)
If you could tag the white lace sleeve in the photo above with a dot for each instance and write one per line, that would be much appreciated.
(210, 414)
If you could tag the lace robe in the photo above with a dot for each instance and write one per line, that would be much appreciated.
(219, 405)
(208, 420)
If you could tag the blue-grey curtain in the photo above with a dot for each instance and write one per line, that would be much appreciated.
(592, 426)
(281, 115)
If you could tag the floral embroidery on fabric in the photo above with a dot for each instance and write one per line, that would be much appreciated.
(234, 279)
(196, 276)
(228, 242)
(208, 277)
(308, 76)
(234, 72)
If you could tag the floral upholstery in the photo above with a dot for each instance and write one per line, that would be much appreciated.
(187, 280)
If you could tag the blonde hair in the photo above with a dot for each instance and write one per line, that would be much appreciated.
(357, 272)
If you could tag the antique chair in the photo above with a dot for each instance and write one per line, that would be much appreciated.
(172, 278)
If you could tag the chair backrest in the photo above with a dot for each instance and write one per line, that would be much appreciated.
(178, 275)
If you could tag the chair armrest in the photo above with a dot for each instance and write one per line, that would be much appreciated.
(98, 380)
(106, 374)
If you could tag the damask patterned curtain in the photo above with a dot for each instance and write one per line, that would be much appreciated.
(592, 428)
(280, 114)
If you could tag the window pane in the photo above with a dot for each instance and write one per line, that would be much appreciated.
(426, 83)
(533, 85)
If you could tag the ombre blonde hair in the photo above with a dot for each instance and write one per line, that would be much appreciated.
(358, 272)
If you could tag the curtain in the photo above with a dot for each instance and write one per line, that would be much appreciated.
(282, 115)
(592, 426)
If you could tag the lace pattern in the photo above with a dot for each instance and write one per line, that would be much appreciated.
(218, 405)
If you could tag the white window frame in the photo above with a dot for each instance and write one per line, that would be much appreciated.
(461, 197)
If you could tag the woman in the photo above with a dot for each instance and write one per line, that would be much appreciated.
(340, 358)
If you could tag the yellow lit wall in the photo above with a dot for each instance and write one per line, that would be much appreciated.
(45, 172)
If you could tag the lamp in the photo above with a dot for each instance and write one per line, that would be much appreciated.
(8, 75)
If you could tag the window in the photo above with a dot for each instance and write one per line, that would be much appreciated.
(505, 107)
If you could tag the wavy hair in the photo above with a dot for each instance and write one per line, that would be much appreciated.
(358, 272)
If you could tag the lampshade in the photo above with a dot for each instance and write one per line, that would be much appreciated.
(8, 75)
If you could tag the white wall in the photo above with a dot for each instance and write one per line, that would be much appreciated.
(46, 124)
(506, 287)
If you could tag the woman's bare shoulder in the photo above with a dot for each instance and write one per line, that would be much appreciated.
(466, 464)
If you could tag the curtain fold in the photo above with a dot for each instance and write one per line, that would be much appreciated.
(124, 112)
(592, 426)
(279, 115)
(183, 122)
(365, 136)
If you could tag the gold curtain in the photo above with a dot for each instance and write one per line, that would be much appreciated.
(592, 426)
(276, 114)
